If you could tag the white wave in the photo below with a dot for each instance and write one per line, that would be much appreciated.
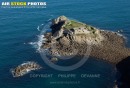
(38, 28)
(32, 43)
(41, 38)
(40, 41)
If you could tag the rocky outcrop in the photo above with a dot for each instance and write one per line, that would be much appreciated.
(25, 68)
(59, 19)
(69, 37)
(63, 26)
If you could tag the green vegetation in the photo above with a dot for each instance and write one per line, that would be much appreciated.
(73, 24)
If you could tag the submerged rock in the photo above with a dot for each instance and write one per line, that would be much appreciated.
(25, 68)
(54, 59)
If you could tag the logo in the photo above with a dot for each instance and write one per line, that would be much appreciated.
(23, 4)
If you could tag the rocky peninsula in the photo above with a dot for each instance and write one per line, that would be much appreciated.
(70, 37)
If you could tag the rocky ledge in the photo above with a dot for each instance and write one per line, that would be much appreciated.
(70, 37)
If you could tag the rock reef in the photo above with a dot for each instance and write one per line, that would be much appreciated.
(70, 37)
(25, 68)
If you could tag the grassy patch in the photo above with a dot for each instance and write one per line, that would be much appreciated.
(73, 24)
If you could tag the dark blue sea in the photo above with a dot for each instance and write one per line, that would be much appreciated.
(20, 28)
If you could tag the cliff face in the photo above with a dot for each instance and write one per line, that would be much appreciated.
(69, 37)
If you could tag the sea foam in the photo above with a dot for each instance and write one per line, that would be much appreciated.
(43, 28)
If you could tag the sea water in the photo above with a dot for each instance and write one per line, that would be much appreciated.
(20, 28)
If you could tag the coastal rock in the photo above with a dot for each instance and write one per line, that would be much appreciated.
(57, 24)
(59, 19)
(25, 68)
(54, 59)
(70, 37)
(80, 30)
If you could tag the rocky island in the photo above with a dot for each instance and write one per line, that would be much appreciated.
(70, 37)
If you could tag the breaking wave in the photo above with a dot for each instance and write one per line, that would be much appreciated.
(43, 28)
